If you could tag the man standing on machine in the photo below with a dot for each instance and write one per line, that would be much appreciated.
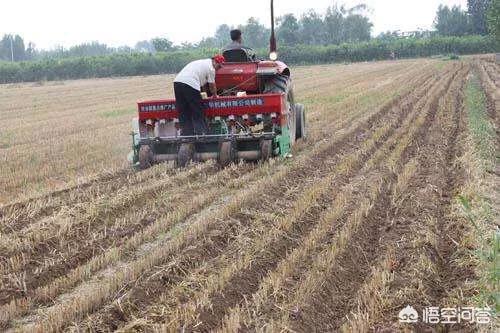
(187, 89)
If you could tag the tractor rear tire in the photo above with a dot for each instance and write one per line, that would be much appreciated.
(300, 123)
(266, 150)
(185, 155)
(145, 157)
(226, 153)
(279, 84)
(282, 84)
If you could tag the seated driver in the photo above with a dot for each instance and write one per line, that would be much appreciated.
(237, 44)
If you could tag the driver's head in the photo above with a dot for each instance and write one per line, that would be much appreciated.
(236, 35)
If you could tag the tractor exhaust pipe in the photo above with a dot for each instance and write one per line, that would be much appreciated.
(273, 54)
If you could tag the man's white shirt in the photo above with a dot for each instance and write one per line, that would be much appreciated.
(197, 73)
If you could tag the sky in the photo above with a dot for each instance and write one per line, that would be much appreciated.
(52, 23)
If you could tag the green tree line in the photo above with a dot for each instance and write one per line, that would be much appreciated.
(493, 19)
(173, 61)
(456, 21)
(338, 24)
(12, 48)
(340, 34)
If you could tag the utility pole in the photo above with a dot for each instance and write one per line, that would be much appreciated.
(11, 48)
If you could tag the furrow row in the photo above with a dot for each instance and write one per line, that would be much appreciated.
(306, 207)
(89, 298)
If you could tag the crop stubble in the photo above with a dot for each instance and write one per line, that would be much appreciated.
(299, 244)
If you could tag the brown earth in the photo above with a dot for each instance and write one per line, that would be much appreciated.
(355, 227)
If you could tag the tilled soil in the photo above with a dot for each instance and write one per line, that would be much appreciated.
(357, 225)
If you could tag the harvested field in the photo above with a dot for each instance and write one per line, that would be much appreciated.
(360, 223)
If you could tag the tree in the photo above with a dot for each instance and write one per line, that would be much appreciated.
(334, 21)
(222, 35)
(162, 44)
(5, 48)
(477, 10)
(357, 28)
(89, 49)
(312, 28)
(12, 47)
(493, 18)
(255, 35)
(123, 49)
(288, 29)
(452, 22)
(347, 24)
(208, 43)
(187, 46)
(19, 49)
(31, 51)
(145, 46)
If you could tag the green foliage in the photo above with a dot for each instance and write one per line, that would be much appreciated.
(288, 31)
(221, 35)
(118, 113)
(312, 29)
(456, 22)
(478, 210)
(347, 24)
(100, 66)
(477, 10)
(357, 28)
(172, 62)
(12, 45)
(5, 139)
(480, 127)
(380, 49)
(494, 20)
(333, 25)
(162, 44)
(452, 22)
(89, 49)
(92, 49)
(145, 46)
(338, 25)
(255, 34)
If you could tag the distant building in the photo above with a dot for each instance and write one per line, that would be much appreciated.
(418, 34)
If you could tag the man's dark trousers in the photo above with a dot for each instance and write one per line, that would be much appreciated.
(188, 104)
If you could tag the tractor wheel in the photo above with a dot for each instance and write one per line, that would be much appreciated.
(226, 153)
(266, 150)
(292, 123)
(145, 157)
(185, 155)
(277, 84)
(281, 84)
(300, 123)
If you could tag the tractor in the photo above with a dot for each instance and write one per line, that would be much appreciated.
(255, 117)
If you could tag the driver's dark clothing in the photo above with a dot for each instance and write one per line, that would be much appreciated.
(238, 46)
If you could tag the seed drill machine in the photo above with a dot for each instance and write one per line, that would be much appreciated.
(255, 117)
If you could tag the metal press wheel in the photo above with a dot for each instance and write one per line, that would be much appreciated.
(185, 155)
(300, 123)
(266, 150)
(282, 84)
(145, 157)
(226, 153)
